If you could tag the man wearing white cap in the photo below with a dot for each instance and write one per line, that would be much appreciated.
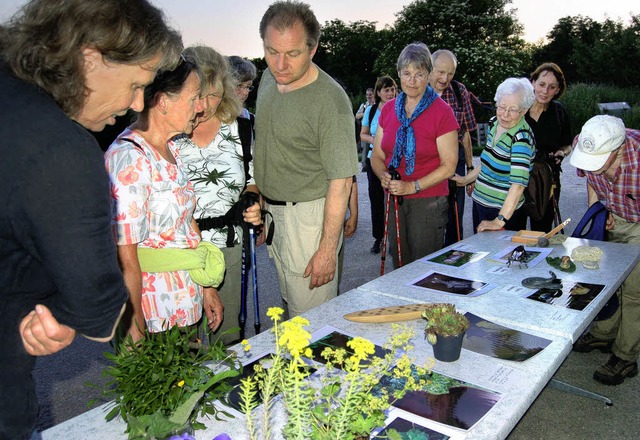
(609, 156)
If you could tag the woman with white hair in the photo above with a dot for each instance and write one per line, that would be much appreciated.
(503, 174)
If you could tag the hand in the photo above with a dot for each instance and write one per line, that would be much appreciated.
(611, 223)
(470, 188)
(350, 226)
(213, 307)
(42, 334)
(460, 180)
(558, 156)
(137, 326)
(490, 225)
(401, 188)
(253, 214)
(322, 268)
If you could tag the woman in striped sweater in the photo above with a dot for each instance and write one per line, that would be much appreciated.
(503, 174)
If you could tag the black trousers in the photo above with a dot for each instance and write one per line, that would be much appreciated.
(377, 203)
(456, 203)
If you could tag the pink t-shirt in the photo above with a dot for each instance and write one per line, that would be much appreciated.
(436, 120)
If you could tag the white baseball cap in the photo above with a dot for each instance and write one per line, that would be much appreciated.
(600, 136)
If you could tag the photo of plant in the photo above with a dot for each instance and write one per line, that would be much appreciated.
(491, 339)
(402, 429)
(444, 399)
(572, 295)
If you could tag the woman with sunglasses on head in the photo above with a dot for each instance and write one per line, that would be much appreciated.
(505, 162)
(221, 172)
(417, 137)
(153, 203)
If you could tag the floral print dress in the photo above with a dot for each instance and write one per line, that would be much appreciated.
(152, 204)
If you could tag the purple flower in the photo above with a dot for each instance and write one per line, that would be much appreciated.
(222, 436)
(183, 436)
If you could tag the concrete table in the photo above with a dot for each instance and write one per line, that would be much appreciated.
(506, 303)
(519, 383)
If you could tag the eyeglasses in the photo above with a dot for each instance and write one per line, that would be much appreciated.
(418, 77)
(211, 95)
(510, 111)
(247, 88)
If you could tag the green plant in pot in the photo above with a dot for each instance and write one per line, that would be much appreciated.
(445, 330)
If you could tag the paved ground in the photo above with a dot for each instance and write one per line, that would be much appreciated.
(62, 379)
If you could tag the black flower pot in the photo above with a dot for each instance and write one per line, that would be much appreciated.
(447, 348)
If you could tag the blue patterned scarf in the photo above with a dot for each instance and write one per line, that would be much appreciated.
(405, 138)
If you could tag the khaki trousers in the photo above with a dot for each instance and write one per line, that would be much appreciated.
(297, 233)
(624, 326)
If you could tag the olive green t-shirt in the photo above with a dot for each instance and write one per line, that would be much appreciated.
(304, 138)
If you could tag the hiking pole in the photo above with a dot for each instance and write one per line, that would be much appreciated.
(397, 200)
(453, 193)
(246, 200)
(242, 318)
(556, 210)
(383, 256)
(254, 268)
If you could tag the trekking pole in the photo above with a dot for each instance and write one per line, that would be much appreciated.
(242, 318)
(246, 200)
(397, 200)
(556, 211)
(453, 192)
(383, 256)
(254, 268)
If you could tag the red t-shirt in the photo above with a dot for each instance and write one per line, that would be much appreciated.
(438, 119)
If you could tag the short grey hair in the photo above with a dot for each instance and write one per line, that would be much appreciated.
(445, 53)
(416, 55)
(241, 69)
(513, 86)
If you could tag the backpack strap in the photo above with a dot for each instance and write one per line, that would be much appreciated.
(245, 133)
(593, 224)
(372, 113)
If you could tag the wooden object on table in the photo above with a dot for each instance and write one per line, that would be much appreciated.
(405, 312)
(527, 237)
(535, 237)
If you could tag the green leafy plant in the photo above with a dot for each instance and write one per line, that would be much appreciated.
(336, 404)
(443, 320)
(162, 382)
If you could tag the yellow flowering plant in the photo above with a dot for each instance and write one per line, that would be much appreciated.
(338, 403)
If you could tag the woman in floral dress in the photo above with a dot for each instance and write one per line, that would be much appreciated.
(153, 203)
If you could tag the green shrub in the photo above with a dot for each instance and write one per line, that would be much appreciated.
(582, 102)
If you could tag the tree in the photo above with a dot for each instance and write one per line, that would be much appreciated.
(592, 52)
(483, 34)
(348, 52)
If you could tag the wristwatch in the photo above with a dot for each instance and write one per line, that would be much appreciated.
(501, 218)
(417, 186)
(470, 168)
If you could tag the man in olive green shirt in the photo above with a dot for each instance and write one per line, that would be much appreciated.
(304, 158)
